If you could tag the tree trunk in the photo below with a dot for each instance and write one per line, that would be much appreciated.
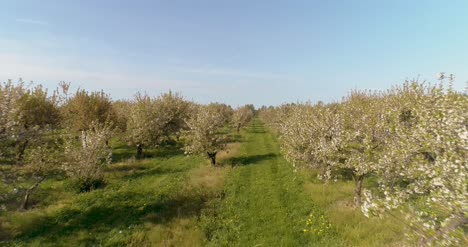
(238, 128)
(25, 204)
(327, 173)
(357, 191)
(139, 151)
(20, 148)
(212, 157)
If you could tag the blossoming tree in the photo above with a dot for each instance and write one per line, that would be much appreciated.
(424, 169)
(203, 135)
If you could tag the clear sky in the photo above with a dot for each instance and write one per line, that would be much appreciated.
(237, 51)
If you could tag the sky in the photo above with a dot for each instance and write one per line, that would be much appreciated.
(237, 51)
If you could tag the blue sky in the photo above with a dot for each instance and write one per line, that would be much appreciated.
(238, 52)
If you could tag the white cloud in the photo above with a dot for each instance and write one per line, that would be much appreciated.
(36, 61)
(31, 21)
(49, 71)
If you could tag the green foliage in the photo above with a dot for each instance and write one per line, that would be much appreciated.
(84, 108)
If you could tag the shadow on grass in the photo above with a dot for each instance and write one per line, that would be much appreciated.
(134, 174)
(109, 213)
(234, 138)
(139, 169)
(4, 235)
(184, 206)
(250, 159)
(128, 167)
(123, 152)
(257, 131)
(167, 152)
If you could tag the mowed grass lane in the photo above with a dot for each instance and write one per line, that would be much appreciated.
(264, 201)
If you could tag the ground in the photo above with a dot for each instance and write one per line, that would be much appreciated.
(254, 198)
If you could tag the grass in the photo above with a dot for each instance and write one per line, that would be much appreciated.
(145, 203)
(355, 229)
(169, 199)
(264, 203)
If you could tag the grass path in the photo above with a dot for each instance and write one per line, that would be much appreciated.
(264, 202)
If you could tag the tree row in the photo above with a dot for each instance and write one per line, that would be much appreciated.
(412, 139)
